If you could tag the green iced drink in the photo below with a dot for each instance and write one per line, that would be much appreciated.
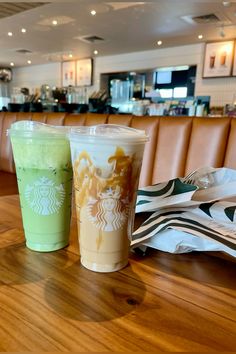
(44, 175)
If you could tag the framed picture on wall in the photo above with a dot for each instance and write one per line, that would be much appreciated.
(68, 73)
(218, 59)
(84, 70)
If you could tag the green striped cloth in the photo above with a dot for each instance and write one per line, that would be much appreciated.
(171, 207)
(164, 194)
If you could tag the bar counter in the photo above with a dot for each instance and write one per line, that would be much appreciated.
(160, 302)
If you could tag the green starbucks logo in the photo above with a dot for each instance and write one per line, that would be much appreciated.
(44, 197)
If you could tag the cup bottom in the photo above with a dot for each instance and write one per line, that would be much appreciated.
(42, 247)
(46, 242)
(103, 268)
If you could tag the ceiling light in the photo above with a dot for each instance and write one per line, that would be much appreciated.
(93, 12)
(70, 55)
(95, 52)
(159, 43)
(54, 22)
(226, 3)
(23, 30)
(222, 32)
(10, 34)
(29, 61)
(12, 64)
(200, 36)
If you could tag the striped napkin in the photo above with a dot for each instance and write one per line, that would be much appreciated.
(180, 222)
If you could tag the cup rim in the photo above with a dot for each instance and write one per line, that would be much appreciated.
(108, 132)
(28, 129)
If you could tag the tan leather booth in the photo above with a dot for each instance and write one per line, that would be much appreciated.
(176, 146)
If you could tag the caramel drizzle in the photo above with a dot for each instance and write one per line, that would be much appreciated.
(89, 183)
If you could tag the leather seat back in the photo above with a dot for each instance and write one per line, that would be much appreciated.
(120, 119)
(171, 148)
(95, 118)
(39, 117)
(24, 116)
(208, 142)
(176, 146)
(150, 125)
(55, 118)
(6, 157)
(230, 155)
(75, 119)
(1, 122)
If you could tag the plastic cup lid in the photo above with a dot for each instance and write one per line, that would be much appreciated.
(108, 132)
(25, 128)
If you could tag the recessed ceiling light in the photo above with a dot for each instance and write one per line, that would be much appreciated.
(93, 12)
(12, 64)
(159, 42)
(95, 52)
(54, 22)
(10, 34)
(70, 55)
(29, 61)
(222, 32)
(23, 30)
(200, 36)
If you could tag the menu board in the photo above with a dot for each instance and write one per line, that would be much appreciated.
(218, 59)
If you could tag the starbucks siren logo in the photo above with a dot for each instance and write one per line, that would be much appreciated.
(108, 212)
(43, 197)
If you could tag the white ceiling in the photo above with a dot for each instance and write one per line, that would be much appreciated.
(125, 26)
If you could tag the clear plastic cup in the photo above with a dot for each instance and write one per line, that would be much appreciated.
(44, 176)
(106, 164)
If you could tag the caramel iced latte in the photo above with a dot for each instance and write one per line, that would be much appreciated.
(106, 174)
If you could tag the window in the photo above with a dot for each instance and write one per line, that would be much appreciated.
(166, 93)
(180, 92)
(164, 77)
(177, 92)
(181, 82)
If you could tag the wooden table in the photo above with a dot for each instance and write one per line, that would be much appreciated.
(165, 302)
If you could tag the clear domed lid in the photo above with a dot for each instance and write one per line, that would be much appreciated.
(109, 132)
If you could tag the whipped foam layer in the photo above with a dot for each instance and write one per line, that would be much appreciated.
(38, 145)
(41, 155)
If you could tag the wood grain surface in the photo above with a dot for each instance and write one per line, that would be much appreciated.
(164, 302)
